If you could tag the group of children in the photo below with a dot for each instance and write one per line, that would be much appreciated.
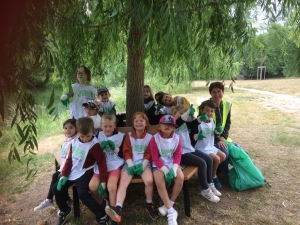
(97, 157)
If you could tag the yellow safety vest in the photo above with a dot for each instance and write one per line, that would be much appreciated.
(226, 109)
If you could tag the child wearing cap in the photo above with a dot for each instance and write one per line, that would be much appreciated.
(165, 148)
(107, 106)
(91, 109)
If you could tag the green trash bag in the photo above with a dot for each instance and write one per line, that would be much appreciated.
(244, 175)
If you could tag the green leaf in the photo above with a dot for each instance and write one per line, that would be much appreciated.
(13, 120)
(10, 156)
(146, 18)
(51, 100)
(51, 111)
(16, 153)
(20, 131)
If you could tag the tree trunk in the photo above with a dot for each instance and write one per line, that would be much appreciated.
(135, 72)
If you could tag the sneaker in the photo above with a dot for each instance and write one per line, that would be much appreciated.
(104, 203)
(214, 190)
(115, 213)
(44, 205)
(172, 218)
(151, 210)
(163, 210)
(210, 196)
(102, 221)
(217, 182)
(63, 216)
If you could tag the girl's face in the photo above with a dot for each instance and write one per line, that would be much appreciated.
(217, 94)
(69, 130)
(167, 100)
(81, 76)
(178, 114)
(146, 93)
(90, 112)
(209, 111)
(108, 127)
(166, 129)
(139, 123)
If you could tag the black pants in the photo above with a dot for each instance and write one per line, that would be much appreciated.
(82, 185)
(204, 163)
(53, 181)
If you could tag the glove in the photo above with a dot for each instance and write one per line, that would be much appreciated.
(203, 117)
(219, 128)
(62, 181)
(101, 189)
(145, 163)
(200, 136)
(174, 168)
(131, 167)
(109, 143)
(185, 115)
(64, 99)
(192, 110)
(138, 169)
(159, 107)
(165, 170)
(169, 177)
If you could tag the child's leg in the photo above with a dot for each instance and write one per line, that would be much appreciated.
(53, 181)
(93, 186)
(161, 187)
(178, 183)
(148, 180)
(112, 185)
(216, 162)
(124, 182)
(222, 156)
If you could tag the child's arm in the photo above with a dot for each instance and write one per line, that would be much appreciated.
(155, 153)
(66, 170)
(127, 149)
(177, 154)
(98, 154)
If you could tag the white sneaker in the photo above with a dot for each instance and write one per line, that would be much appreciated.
(210, 196)
(172, 218)
(163, 210)
(44, 205)
(215, 190)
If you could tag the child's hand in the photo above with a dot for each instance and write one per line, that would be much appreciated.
(200, 136)
(145, 163)
(175, 168)
(101, 189)
(219, 128)
(138, 169)
(203, 117)
(62, 181)
(109, 143)
(165, 170)
(131, 170)
(169, 177)
(64, 99)
(192, 110)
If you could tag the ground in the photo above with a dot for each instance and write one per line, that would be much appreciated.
(265, 205)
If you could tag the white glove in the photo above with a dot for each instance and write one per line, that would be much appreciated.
(64, 97)
(129, 162)
(185, 115)
(145, 163)
(175, 168)
(165, 170)
(116, 149)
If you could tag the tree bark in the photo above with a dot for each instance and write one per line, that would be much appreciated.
(135, 72)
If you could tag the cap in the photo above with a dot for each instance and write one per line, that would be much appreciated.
(93, 104)
(168, 119)
(103, 89)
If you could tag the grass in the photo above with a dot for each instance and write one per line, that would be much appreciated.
(269, 135)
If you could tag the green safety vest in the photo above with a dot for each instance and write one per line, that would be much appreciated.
(226, 109)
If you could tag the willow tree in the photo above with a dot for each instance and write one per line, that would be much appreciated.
(63, 34)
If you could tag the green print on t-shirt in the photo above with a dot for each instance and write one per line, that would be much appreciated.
(84, 93)
(139, 148)
(108, 149)
(78, 153)
(207, 131)
(166, 152)
(63, 152)
(182, 128)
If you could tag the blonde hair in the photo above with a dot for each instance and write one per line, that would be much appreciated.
(143, 115)
(84, 125)
(109, 116)
(179, 108)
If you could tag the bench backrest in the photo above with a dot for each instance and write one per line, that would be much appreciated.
(151, 129)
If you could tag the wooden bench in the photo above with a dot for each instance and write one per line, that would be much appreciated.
(188, 172)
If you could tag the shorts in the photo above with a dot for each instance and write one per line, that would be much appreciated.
(115, 173)
(125, 167)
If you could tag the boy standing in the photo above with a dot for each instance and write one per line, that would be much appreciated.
(108, 106)
(78, 169)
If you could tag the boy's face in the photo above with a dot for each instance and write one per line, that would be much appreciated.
(81, 76)
(167, 100)
(108, 127)
(209, 111)
(104, 96)
(217, 94)
(90, 112)
(85, 137)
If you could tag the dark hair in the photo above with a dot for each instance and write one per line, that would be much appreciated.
(148, 88)
(85, 125)
(86, 71)
(209, 103)
(217, 84)
(71, 121)
(158, 97)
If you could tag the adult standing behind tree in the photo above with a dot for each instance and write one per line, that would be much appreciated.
(82, 92)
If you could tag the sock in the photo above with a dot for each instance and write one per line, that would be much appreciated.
(119, 205)
(172, 203)
(206, 190)
(148, 201)
(211, 184)
(170, 210)
(104, 217)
